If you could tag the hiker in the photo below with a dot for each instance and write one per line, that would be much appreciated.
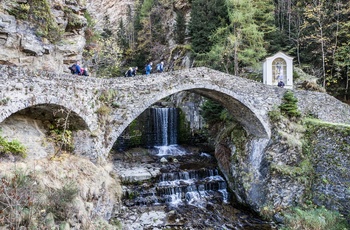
(76, 69)
(280, 81)
(149, 68)
(131, 72)
(160, 67)
(134, 71)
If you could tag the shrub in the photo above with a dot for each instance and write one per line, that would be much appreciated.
(315, 219)
(211, 111)
(12, 147)
(289, 105)
(25, 205)
(17, 200)
(62, 138)
(103, 110)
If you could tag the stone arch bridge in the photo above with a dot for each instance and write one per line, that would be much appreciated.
(100, 109)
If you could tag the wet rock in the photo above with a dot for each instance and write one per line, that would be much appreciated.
(278, 218)
(163, 160)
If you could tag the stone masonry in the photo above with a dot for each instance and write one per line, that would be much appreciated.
(127, 98)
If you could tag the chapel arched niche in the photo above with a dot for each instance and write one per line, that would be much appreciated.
(279, 70)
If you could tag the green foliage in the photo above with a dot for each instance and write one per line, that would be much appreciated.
(302, 172)
(289, 105)
(180, 28)
(20, 10)
(184, 129)
(122, 36)
(74, 21)
(4, 101)
(275, 114)
(135, 133)
(206, 17)
(146, 8)
(234, 38)
(211, 111)
(62, 138)
(109, 58)
(40, 13)
(315, 219)
(12, 147)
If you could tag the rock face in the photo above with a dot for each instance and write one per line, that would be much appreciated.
(299, 164)
(331, 165)
(59, 33)
(23, 43)
(107, 13)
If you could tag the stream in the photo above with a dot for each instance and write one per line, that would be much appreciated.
(183, 191)
(168, 186)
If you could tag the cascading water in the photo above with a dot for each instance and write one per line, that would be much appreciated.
(165, 126)
(194, 187)
(164, 123)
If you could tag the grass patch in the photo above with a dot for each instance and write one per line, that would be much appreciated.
(314, 219)
(12, 147)
(319, 122)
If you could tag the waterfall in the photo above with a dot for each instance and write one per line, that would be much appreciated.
(165, 126)
(194, 187)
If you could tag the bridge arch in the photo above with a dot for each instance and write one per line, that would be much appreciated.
(49, 112)
(238, 105)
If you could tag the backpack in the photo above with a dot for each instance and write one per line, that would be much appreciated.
(72, 69)
(128, 73)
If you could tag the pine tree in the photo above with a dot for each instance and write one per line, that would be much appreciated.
(289, 105)
(241, 43)
(180, 28)
(206, 17)
(122, 39)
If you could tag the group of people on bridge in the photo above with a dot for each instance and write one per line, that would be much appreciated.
(131, 72)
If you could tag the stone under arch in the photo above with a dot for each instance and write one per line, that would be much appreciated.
(52, 112)
(30, 127)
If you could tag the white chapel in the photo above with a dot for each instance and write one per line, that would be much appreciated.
(278, 67)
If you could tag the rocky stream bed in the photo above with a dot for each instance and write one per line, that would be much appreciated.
(181, 191)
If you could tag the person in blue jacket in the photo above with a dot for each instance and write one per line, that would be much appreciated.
(149, 68)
